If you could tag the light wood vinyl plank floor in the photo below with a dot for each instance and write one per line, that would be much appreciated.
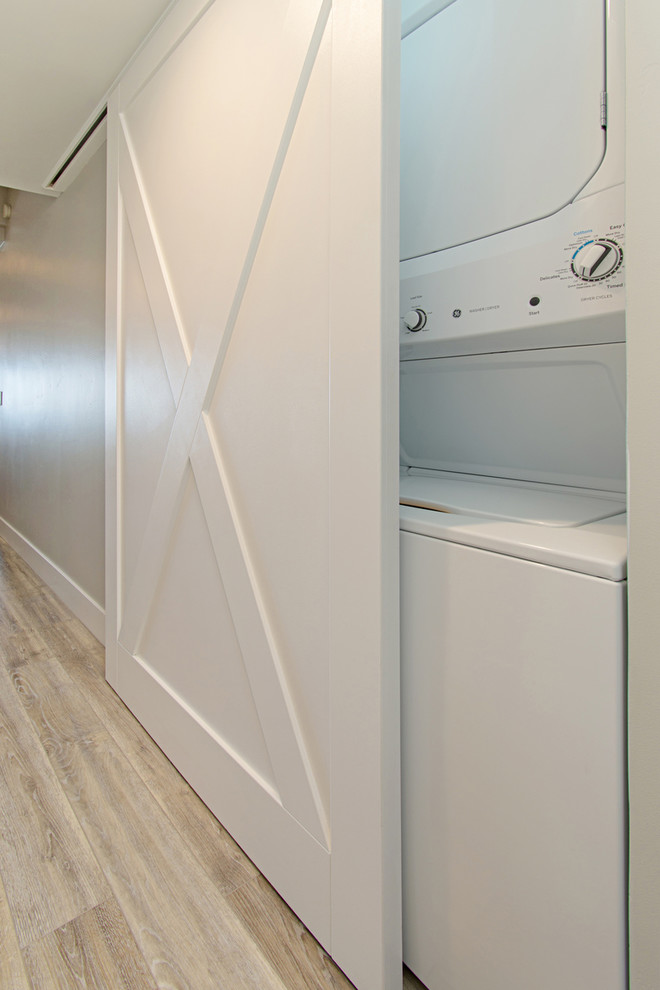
(113, 873)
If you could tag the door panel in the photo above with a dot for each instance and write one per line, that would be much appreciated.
(244, 62)
(191, 610)
(283, 512)
(231, 174)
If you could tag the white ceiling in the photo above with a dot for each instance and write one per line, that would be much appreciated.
(58, 59)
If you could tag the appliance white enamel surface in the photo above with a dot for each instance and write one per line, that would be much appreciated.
(509, 71)
(513, 771)
(513, 481)
(542, 505)
(555, 416)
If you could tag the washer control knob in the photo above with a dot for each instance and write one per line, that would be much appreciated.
(415, 319)
(596, 260)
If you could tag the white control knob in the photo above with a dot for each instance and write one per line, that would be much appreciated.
(415, 319)
(596, 260)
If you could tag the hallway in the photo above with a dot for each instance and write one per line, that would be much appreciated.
(113, 873)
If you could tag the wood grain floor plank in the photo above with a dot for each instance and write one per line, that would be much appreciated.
(10, 615)
(187, 898)
(49, 872)
(57, 711)
(19, 649)
(21, 638)
(93, 952)
(44, 607)
(79, 642)
(28, 595)
(180, 921)
(12, 972)
(29, 611)
(71, 639)
(214, 848)
(291, 950)
(40, 641)
(16, 576)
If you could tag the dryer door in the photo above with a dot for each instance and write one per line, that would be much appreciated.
(501, 120)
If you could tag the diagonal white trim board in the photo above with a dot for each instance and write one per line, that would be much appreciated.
(90, 613)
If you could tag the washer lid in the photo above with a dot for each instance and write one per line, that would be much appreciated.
(598, 549)
(500, 116)
(516, 503)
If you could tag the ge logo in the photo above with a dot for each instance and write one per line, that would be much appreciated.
(456, 313)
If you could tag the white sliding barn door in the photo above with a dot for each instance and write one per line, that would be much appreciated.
(252, 510)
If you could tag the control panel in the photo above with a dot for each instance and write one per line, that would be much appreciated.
(557, 282)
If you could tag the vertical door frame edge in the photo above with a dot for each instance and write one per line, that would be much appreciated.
(364, 606)
(112, 357)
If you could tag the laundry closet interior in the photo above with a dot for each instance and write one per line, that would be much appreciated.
(513, 494)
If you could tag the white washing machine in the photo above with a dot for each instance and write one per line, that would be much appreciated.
(513, 473)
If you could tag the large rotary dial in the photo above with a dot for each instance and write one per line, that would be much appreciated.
(596, 260)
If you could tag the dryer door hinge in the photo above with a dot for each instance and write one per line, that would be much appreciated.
(603, 109)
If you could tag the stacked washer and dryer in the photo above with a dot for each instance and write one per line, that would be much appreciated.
(513, 474)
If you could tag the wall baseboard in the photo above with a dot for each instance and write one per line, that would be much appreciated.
(90, 613)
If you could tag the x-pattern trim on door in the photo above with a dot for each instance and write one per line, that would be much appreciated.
(193, 378)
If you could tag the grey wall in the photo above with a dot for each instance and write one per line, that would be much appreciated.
(643, 249)
(52, 289)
